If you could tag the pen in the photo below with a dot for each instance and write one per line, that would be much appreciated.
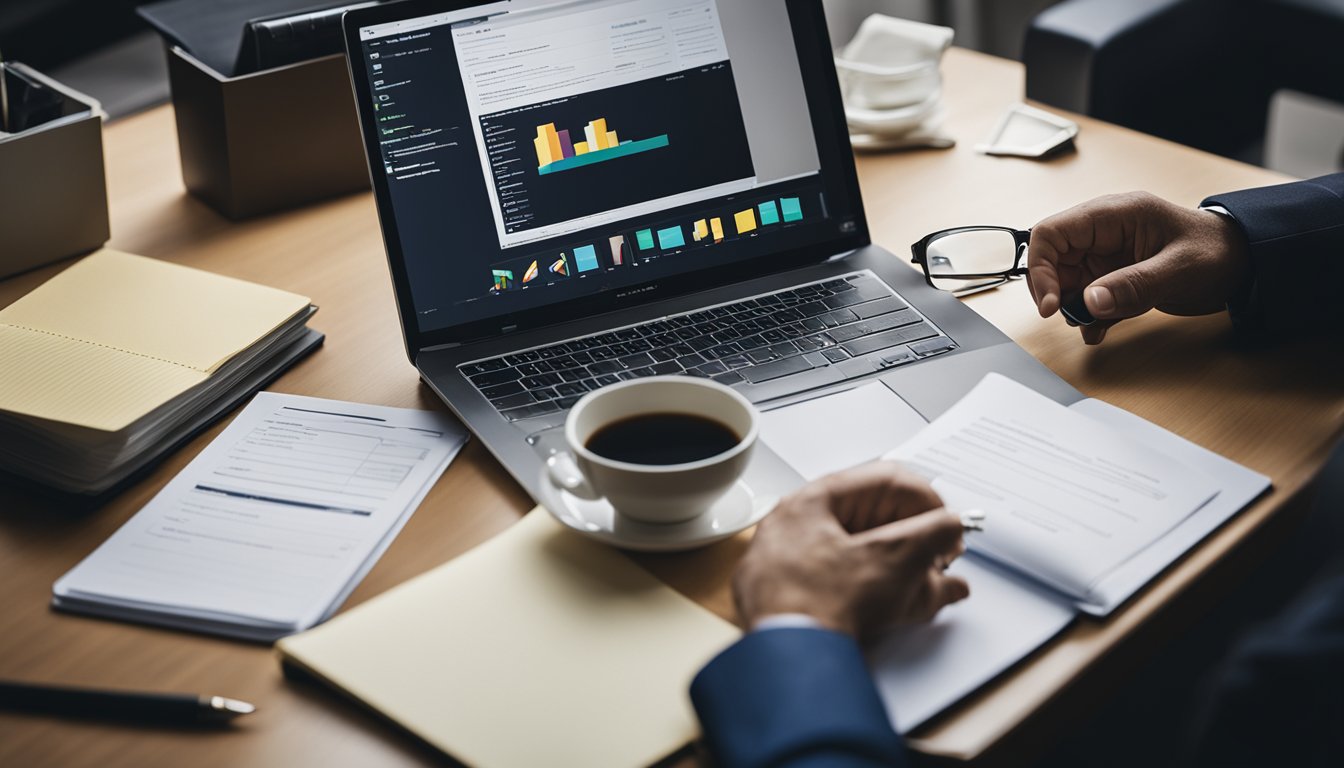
(973, 520)
(161, 708)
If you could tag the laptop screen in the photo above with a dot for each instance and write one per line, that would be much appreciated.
(534, 154)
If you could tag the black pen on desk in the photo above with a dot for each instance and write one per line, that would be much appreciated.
(157, 708)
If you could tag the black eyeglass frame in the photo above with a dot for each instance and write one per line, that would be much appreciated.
(919, 254)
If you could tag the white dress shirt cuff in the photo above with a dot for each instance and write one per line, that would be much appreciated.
(786, 621)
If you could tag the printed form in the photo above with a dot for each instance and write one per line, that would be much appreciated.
(272, 526)
(1067, 499)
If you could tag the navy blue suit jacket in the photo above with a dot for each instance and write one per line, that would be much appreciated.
(1296, 236)
(804, 697)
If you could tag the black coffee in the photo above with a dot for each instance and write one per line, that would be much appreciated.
(662, 438)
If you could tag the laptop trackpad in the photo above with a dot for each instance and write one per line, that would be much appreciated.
(854, 427)
(933, 386)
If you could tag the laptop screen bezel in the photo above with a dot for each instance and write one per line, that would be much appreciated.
(811, 40)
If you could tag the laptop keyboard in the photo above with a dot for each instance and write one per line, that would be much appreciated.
(752, 341)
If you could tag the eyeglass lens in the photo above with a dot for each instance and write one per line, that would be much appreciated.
(970, 252)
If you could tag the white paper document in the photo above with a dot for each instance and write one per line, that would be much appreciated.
(834, 432)
(1238, 486)
(921, 670)
(1067, 499)
(1084, 506)
(270, 528)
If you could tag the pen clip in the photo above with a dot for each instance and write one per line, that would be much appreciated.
(973, 520)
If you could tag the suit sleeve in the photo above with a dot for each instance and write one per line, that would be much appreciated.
(1279, 696)
(794, 697)
(1296, 237)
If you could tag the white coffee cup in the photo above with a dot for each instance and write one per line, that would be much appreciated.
(655, 493)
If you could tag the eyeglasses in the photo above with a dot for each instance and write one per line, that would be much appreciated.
(965, 260)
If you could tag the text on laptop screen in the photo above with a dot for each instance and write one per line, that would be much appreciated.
(539, 152)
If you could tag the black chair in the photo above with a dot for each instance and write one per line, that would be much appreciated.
(1199, 72)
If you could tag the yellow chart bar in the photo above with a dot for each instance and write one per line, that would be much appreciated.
(599, 135)
(716, 226)
(612, 141)
(543, 151)
(701, 230)
(554, 139)
(581, 148)
(745, 221)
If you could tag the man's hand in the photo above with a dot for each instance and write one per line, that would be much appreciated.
(1127, 254)
(858, 550)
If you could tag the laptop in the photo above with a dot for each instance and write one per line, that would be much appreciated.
(574, 193)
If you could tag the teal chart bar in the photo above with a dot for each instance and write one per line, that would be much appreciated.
(585, 258)
(602, 155)
(672, 237)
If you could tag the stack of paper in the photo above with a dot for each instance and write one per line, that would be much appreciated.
(273, 525)
(1083, 505)
(119, 358)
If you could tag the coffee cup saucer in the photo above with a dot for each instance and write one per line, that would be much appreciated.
(736, 511)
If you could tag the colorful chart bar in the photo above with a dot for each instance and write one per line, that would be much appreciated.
(672, 237)
(769, 213)
(793, 209)
(645, 239)
(503, 279)
(745, 221)
(560, 266)
(592, 157)
(585, 258)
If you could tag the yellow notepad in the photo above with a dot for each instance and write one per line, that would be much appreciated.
(117, 335)
(537, 648)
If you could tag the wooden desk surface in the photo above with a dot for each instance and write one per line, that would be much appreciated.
(1277, 412)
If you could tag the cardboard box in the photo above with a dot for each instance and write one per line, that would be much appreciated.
(269, 140)
(53, 190)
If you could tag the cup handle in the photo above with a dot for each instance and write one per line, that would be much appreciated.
(565, 473)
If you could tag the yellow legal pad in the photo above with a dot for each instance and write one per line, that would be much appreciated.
(117, 335)
(536, 648)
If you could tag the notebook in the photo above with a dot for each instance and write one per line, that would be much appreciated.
(538, 647)
(119, 354)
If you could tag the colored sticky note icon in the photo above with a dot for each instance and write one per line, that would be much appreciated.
(701, 230)
(672, 237)
(745, 221)
(645, 239)
(585, 258)
(769, 213)
(793, 210)
(716, 226)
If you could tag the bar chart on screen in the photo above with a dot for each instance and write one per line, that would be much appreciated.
(557, 151)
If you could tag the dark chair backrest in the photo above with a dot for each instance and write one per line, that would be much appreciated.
(1199, 72)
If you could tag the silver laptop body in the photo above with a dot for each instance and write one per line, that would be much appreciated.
(577, 193)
